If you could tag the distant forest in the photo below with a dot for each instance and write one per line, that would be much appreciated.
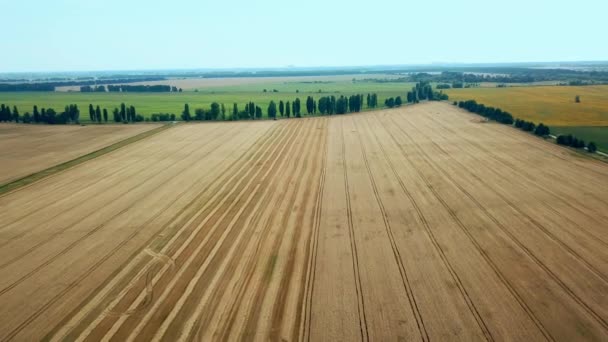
(50, 86)
(455, 76)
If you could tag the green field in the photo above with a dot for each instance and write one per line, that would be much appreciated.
(149, 103)
(597, 134)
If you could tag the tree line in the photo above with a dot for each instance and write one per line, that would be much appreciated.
(160, 88)
(491, 113)
(123, 113)
(50, 85)
(71, 114)
(424, 91)
(528, 126)
(572, 141)
(326, 105)
(540, 130)
(9, 87)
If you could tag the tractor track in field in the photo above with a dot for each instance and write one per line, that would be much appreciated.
(404, 224)
(354, 252)
(201, 193)
(474, 241)
(215, 194)
(528, 252)
(403, 272)
(56, 233)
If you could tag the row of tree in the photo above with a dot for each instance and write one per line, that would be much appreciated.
(71, 114)
(124, 114)
(6, 115)
(393, 102)
(424, 91)
(162, 117)
(491, 113)
(572, 141)
(93, 89)
(9, 87)
(541, 130)
(216, 112)
(160, 88)
(327, 105)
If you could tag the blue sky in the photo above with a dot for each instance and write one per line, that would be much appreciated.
(63, 35)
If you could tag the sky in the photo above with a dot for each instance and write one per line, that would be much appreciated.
(81, 35)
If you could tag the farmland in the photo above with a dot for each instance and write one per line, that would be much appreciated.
(250, 83)
(222, 90)
(31, 148)
(418, 223)
(554, 106)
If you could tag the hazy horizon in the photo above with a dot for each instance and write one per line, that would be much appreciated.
(69, 35)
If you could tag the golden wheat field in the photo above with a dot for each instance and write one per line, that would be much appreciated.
(552, 105)
(417, 223)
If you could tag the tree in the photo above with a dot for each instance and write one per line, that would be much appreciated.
(98, 114)
(272, 110)
(296, 108)
(398, 101)
(74, 113)
(287, 109)
(577, 99)
(542, 130)
(36, 114)
(252, 110)
(133, 113)
(390, 102)
(105, 115)
(116, 115)
(15, 114)
(223, 112)
(341, 105)
(591, 147)
(50, 115)
(27, 118)
(235, 111)
(186, 113)
(258, 112)
(215, 111)
(199, 114)
(281, 107)
(91, 112)
(123, 112)
(310, 103)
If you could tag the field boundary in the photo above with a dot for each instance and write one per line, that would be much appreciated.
(40, 175)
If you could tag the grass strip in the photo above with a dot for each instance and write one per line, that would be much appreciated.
(34, 177)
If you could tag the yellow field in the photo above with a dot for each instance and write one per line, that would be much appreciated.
(553, 106)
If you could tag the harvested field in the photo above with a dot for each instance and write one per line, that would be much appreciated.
(32, 148)
(418, 223)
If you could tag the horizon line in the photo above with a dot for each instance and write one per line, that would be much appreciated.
(296, 67)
